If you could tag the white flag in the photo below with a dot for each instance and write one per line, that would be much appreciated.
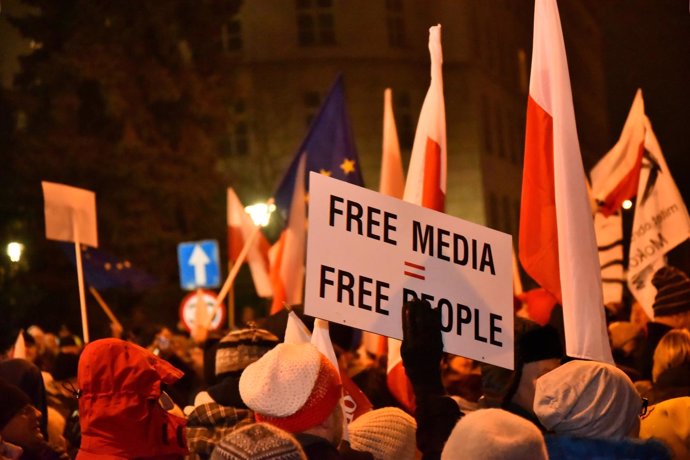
(661, 222)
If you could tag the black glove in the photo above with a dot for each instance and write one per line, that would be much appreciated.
(422, 347)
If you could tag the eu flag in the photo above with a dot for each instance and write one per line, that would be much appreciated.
(329, 147)
(105, 271)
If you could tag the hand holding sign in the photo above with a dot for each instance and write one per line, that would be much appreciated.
(422, 345)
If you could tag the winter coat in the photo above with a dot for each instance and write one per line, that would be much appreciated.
(120, 413)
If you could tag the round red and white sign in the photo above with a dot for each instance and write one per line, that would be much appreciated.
(188, 313)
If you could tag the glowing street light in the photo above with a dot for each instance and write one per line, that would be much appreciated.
(627, 204)
(14, 251)
(260, 213)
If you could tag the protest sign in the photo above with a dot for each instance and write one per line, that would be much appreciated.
(367, 253)
(70, 215)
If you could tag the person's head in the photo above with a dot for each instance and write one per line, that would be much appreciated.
(258, 440)
(538, 350)
(669, 421)
(588, 399)
(122, 409)
(387, 433)
(672, 351)
(672, 301)
(493, 434)
(625, 337)
(235, 351)
(20, 421)
(297, 389)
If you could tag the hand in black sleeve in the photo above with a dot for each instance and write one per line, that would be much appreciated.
(421, 351)
(422, 347)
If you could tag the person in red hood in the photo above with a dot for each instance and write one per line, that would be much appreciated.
(121, 416)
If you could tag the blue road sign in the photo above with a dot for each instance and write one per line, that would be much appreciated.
(199, 267)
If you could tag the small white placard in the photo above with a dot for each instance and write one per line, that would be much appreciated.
(367, 253)
(70, 210)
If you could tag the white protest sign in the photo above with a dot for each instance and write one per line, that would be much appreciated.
(367, 253)
(70, 214)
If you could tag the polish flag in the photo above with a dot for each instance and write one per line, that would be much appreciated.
(616, 175)
(392, 183)
(425, 186)
(557, 243)
(287, 254)
(240, 228)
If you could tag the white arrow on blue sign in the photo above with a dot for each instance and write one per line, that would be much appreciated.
(199, 266)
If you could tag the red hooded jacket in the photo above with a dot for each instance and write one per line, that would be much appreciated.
(120, 416)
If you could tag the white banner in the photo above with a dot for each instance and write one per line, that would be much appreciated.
(367, 253)
(661, 222)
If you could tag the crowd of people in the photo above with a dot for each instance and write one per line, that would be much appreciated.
(249, 394)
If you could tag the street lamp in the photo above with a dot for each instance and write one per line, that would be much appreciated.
(14, 251)
(260, 213)
(627, 204)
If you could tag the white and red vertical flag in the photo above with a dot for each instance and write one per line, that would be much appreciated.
(287, 255)
(661, 222)
(557, 246)
(425, 186)
(240, 229)
(392, 183)
(616, 175)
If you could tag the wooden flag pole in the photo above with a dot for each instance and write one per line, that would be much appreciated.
(80, 281)
(235, 269)
(106, 309)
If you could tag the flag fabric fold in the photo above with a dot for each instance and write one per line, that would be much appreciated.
(616, 175)
(661, 222)
(425, 186)
(557, 246)
(240, 228)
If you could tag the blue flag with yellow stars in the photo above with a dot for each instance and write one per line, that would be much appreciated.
(329, 147)
(105, 271)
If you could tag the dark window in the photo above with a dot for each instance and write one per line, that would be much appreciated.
(404, 120)
(312, 102)
(493, 211)
(231, 36)
(487, 135)
(396, 23)
(315, 23)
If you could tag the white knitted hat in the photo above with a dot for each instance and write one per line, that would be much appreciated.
(292, 386)
(588, 399)
(387, 433)
(495, 434)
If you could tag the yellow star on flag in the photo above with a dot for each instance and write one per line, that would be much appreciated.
(347, 166)
(325, 172)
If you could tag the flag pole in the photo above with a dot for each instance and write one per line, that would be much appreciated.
(80, 281)
(235, 269)
(106, 309)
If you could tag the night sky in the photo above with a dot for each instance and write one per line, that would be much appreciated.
(647, 45)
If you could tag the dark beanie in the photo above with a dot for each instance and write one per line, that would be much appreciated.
(12, 400)
(672, 291)
(240, 348)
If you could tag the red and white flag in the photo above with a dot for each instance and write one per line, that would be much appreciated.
(392, 183)
(240, 228)
(616, 175)
(425, 186)
(287, 254)
(661, 222)
(557, 243)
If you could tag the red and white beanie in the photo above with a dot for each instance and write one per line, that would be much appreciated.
(293, 387)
